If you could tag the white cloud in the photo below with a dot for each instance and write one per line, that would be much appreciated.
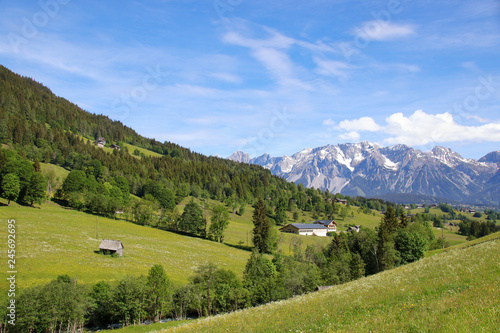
(350, 136)
(328, 122)
(279, 66)
(332, 67)
(419, 129)
(381, 30)
(273, 50)
(226, 77)
(361, 124)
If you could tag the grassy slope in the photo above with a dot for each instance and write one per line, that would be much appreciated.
(130, 148)
(60, 172)
(456, 291)
(146, 152)
(53, 241)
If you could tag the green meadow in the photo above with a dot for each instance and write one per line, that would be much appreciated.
(52, 241)
(454, 291)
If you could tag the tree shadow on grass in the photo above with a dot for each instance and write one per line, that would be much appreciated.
(240, 247)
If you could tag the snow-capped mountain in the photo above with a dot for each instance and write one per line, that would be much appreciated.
(370, 170)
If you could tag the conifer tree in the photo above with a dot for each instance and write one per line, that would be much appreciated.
(262, 228)
(386, 252)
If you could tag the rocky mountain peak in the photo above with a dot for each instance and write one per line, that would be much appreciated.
(239, 156)
(370, 170)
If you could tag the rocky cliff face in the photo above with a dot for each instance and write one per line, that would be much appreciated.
(370, 170)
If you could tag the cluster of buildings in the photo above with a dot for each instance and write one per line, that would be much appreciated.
(316, 228)
(101, 142)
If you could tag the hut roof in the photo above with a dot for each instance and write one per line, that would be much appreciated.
(109, 244)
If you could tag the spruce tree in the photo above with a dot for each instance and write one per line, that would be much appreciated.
(386, 252)
(262, 228)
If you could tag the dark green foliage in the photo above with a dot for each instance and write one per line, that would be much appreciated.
(192, 219)
(123, 185)
(411, 246)
(61, 305)
(280, 212)
(159, 292)
(262, 228)
(477, 229)
(259, 278)
(387, 255)
(187, 300)
(76, 181)
(102, 307)
(220, 290)
(219, 222)
(364, 243)
(36, 191)
(296, 278)
(130, 300)
(10, 187)
(241, 211)
(437, 222)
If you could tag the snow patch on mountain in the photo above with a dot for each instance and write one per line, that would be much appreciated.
(368, 169)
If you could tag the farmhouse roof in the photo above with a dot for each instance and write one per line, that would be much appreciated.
(109, 244)
(308, 226)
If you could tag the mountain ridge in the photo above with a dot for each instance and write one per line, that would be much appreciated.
(370, 170)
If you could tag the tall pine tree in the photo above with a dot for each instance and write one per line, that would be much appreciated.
(387, 255)
(262, 228)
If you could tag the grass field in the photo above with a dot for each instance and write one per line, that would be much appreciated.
(455, 291)
(146, 152)
(52, 241)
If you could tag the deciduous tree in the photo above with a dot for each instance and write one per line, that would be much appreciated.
(220, 221)
(10, 187)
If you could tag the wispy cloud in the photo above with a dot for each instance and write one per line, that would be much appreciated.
(273, 52)
(332, 67)
(379, 30)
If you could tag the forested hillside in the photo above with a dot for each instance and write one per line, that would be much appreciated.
(43, 126)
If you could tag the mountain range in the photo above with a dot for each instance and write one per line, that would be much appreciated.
(369, 170)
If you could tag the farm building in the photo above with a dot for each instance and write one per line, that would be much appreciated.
(100, 142)
(330, 224)
(354, 229)
(111, 246)
(312, 229)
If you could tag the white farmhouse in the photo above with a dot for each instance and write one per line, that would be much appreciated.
(313, 229)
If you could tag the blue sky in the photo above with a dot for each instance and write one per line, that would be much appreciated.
(270, 76)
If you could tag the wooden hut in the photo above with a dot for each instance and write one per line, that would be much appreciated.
(111, 246)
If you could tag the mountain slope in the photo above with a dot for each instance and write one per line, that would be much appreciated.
(40, 125)
(370, 170)
(456, 291)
